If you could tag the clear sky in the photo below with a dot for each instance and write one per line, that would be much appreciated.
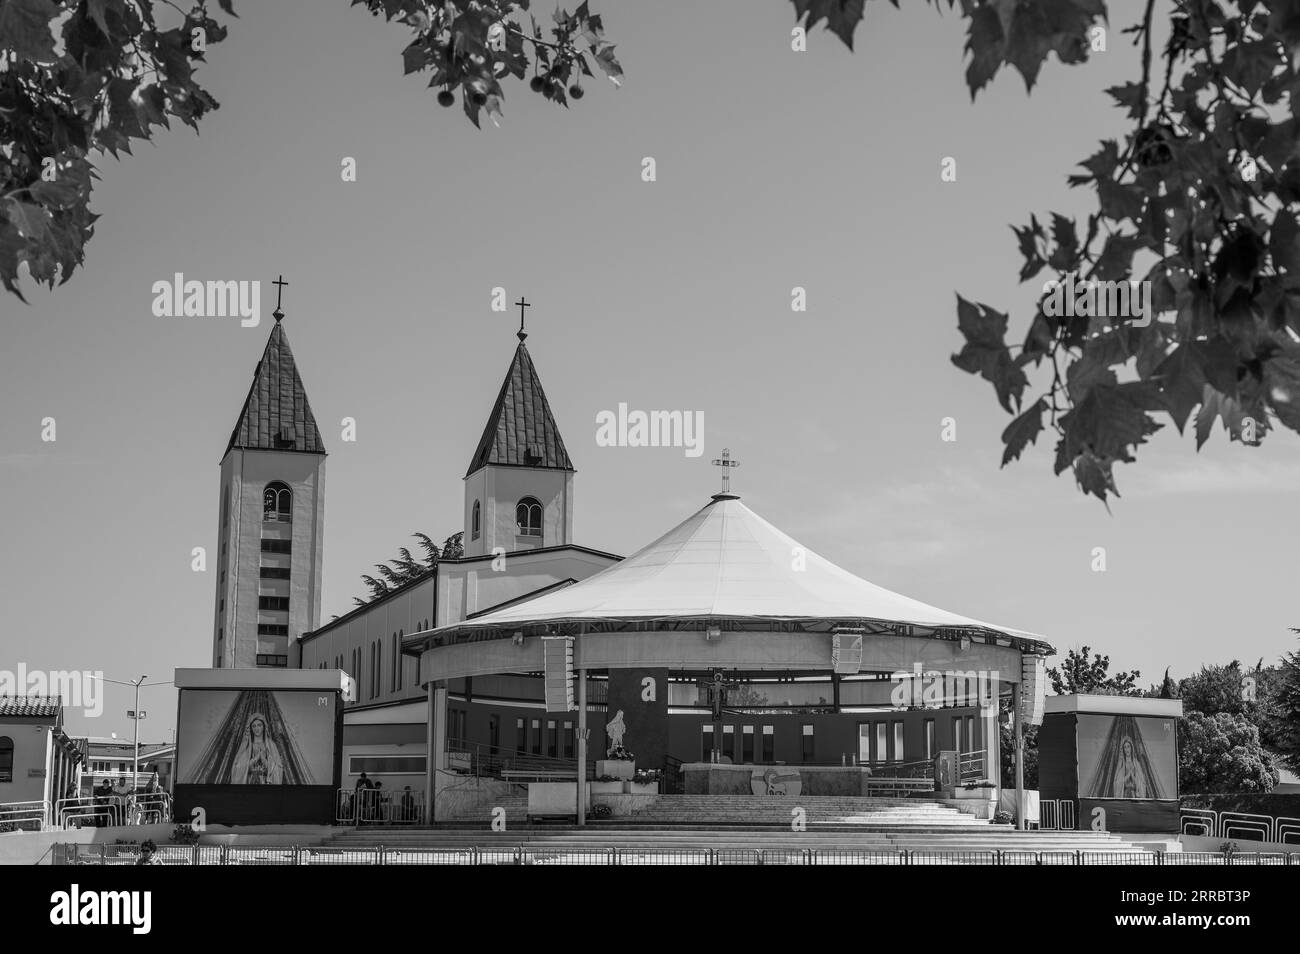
(775, 169)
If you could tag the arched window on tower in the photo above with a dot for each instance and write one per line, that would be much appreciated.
(528, 514)
(475, 520)
(277, 502)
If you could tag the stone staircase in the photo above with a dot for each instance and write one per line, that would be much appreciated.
(876, 813)
(681, 823)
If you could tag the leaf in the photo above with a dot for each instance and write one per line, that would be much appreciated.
(1067, 243)
(1131, 96)
(1095, 476)
(1023, 431)
(986, 352)
(1282, 387)
(1284, 242)
(228, 6)
(841, 16)
(31, 221)
(609, 65)
(1116, 259)
(97, 9)
(25, 28)
(985, 42)
(417, 56)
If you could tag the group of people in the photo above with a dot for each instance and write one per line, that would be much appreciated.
(370, 802)
(112, 803)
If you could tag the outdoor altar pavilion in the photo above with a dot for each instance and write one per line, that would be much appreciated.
(727, 641)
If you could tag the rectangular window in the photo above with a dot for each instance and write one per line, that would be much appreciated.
(956, 733)
(706, 742)
(568, 740)
(379, 667)
(808, 746)
(899, 755)
(521, 737)
(494, 734)
(273, 602)
(552, 739)
(273, 572)
(747, 744)
(272, 629)
(929, 738)
(386, 765)
(882, 753)
(277, 546)
(769, 743)
(729, 742)
(537, 736)
(271, 659)
(970, 734)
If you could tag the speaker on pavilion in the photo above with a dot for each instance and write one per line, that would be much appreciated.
(1033, 688)
(846, 652)
(557, 658)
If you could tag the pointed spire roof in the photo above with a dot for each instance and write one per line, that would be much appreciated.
(521, 431)
(276, 414)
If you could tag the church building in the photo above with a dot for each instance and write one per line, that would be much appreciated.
(718, 651)
(517, 544)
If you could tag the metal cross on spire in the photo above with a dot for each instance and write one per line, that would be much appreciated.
(726, 463)
(522, 303)
(280, 282)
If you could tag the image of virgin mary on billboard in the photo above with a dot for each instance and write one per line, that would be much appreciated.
(255, 737)
(1122, 756)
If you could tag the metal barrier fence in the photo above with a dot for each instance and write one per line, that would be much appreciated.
(143, 808)
(1244, 826)
(65, 854)
(1056, 814)
(369, 806)
(30, 816)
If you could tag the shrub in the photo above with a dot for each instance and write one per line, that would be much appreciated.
(184, 835)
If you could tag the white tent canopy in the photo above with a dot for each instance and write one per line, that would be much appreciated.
(726, 562)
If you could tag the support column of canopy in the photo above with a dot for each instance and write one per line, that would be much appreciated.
(582, 746)
(1019, 757)
(992, 768)
(436, 747)
(429, 774)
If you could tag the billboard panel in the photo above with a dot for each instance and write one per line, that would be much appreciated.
(256, 737)
(1129, 757)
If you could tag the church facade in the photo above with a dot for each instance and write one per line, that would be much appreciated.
(517, 544)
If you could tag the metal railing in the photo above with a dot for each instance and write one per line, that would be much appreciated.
(149, 808)
(25, 816)
(75, 854)
(1056, 814)
(368, 806)
(1243, 826)
(481, 761)
(970, 766)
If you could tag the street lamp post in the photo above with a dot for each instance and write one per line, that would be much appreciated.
(135, 742)
(135, 720)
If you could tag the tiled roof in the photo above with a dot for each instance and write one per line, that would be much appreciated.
(43, 706)
(521, 429)
(276, 415)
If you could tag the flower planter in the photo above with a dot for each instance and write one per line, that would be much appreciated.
(615, 768)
